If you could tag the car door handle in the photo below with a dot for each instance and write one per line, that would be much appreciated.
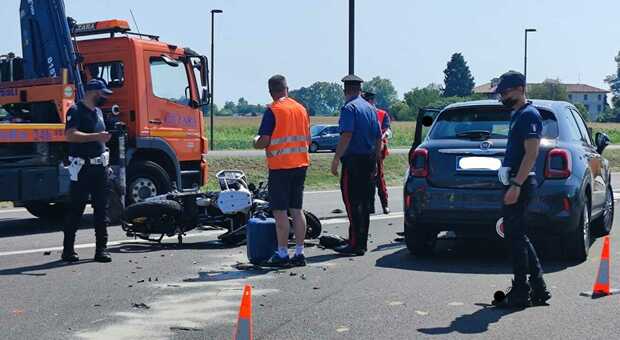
(155, 121)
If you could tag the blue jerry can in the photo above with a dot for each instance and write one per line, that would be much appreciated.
(261, 239)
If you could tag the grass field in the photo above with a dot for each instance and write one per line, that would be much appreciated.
(318, 177)
(237, 132)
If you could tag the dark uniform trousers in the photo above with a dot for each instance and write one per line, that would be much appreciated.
(379, 184)
(524, 258)
(356, 185)
(93, 181)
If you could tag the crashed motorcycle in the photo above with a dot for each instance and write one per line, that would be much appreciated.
(230, 209)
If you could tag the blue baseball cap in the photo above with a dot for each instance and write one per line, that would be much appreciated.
(509, 80)
(98, 85)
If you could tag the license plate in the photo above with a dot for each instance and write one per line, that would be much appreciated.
(478, 164)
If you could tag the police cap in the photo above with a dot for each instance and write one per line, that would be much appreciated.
(509, 80)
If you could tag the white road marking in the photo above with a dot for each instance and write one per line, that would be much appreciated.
(113, 243)
(192, 235)
(372, 218)
(338, 191)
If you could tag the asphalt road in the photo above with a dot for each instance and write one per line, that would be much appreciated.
(193, 291)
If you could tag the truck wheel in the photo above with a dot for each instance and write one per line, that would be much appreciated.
(420, 242)
(146, 179)
(47, 210)
(155, 217)
(577, 244)
(602, 225)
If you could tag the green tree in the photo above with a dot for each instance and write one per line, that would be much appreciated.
(584, 111)
(458, 79)
(242, 106)
(228, 110)
(421, 97)
(205, 110)
(386, 94)
(320, 98)
(401, 111)
(614, 84)
(550, 89)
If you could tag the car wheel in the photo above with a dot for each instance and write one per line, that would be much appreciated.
(54, 212)
(577, 244)
(602, 225)
(420, 242)
(314, 147)
(146, 179)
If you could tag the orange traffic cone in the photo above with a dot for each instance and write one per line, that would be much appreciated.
(243, 331)
(601, 285)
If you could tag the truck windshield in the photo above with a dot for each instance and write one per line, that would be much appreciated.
(170, 82)
(483, 123)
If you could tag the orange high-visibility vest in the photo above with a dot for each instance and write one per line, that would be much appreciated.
(288, 148)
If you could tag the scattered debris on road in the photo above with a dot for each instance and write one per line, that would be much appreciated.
(188, 329)
(140, 305)
(342, 329)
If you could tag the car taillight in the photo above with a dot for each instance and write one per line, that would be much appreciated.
(418, 163)
(558, 164)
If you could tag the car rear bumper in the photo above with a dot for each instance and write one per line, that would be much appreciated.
(475, 212)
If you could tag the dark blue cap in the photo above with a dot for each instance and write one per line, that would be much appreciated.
(509, 80)
(98, 85)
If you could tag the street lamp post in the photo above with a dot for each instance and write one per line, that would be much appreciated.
(527, 30)
(211, 110)
(351, 36)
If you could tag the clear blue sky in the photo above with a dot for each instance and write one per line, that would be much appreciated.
(408, 41)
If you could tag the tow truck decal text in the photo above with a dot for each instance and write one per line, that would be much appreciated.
(174, 119)
(8, 92)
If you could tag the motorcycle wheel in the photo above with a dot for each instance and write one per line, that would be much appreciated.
(154, 217)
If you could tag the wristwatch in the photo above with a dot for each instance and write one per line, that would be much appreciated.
(515, 183)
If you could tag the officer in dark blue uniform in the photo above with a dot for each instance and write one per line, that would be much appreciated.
(520, 181)
(85, 132)
(358, 150)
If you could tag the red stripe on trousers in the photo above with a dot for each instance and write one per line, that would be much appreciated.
(347, 204)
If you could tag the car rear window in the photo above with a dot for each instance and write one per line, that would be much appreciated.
(456, 123)
(316, 129)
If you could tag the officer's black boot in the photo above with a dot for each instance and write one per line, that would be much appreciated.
(101, 252)
(518, 296)
(539, 293)
(68, 251)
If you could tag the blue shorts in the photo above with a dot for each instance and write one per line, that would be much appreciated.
(286, 188)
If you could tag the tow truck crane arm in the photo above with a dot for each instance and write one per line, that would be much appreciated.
(46, 42)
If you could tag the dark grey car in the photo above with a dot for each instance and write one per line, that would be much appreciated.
(324, 137)
(453, 185)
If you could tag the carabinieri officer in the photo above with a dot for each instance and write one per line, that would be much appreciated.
(86, 134)
(517, 175)
(358, 149)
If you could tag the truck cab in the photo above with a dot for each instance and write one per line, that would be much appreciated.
(159, 91)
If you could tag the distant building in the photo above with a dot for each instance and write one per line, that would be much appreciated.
(594, 99)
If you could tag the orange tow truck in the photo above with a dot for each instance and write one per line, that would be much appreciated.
(159, 91)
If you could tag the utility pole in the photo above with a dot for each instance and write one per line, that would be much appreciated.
(211, 110)
(527, 30)
(351, 36)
